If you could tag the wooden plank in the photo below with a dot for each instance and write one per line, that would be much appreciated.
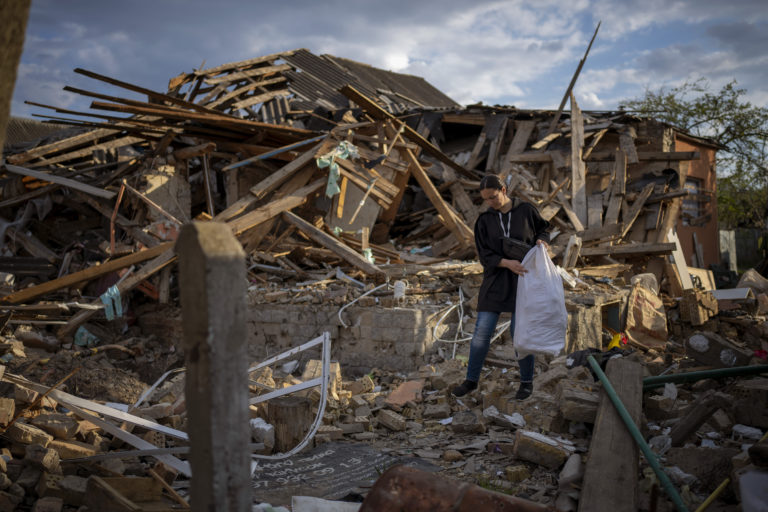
(699, 250)
(629, 250)
(577, 225)
(60, 145)
(618, 189)
(31, 244)
(240, 75)
(268, 185)
(627, 144)
(266, 212)
(545, 141)
(379, 113)
(572, 252)
(634, 210)
(66, 182)
(647, 156)
(261, 98)
(129, 283)
(592, 143)
(88, 274)
(434, 196)
(241, 90)
(523, 130)
(578, 168)
(88, 151)
(595, 211)
(532, 157)
(474, 157)
(241, 64)
(680, 263)
(613, 454)
(331, 243)
(495, 147)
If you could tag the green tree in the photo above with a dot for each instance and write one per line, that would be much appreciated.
(727, 118)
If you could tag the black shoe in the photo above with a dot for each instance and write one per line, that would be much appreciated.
(464, 388)
(524, 391)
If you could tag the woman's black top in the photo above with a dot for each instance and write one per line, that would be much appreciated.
(499, 288)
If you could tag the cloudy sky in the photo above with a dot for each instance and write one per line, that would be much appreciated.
(512, 52)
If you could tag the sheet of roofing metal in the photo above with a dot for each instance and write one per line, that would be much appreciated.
(311, 88)
(413, 87)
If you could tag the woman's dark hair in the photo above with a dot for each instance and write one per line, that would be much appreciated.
(491, 181)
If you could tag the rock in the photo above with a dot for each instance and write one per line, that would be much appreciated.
(363, 410)
(391, 420)
(58, 425)
(70, 488)
(352, 428)
(571, 474)
(8, 501)
(517, 474)
(29, 477)
(437, 411)
(48, 504)
(362, 385)
(659, 407)
(578, 404)
(539, 449)
(466, 422)
(5, 482)
(549, 380)
(452, 456)
(333, 433)
(263, 432)
(28, 434)
(364, 436)
(41, 458)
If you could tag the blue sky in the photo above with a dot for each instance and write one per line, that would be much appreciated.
(498, 52)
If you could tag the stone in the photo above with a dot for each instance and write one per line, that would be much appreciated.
(507, 449)
(157, 411)
(5, 482)
(517, 474)
(27, 396)
(70, 488)
(41, 458)
(539, 449)
(721, 421)
(549, 380)
(58, 425)
(391, 420)
(437, 411)
(467, 422)
(263, 432)
(72, 449)
(578, 404)
(710, 465)
(659, 407)
(8, 502)
(358, 401)
(7, 410)
(362, 385)
(364, 436)
(28, 434)
(363, 410)
(452, 456)
(29, 477)
(48, 504)
(572, 472)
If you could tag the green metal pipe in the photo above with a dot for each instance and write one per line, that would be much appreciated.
(720, 373)
(637, 436)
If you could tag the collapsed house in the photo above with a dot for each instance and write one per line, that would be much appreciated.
(353, 192)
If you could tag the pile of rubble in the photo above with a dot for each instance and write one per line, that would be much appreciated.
(309, 161)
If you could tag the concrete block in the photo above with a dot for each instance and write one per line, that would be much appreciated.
(579, 404)
(364, 436)
(659, 407)
(351, 428)
(58, 425)
(517, 474)
(41, 458)
(72, 449)
(333, 433)
(539, 449)
(70, 488)
(48, 504)
(467, 422)
(29, 478)
(28, 434)
(548, 381)
(437, 411)
(409, 391)
(391, 420)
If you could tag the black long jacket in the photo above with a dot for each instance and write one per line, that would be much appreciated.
(498, 290)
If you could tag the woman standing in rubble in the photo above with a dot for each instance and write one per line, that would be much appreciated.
(500, 232)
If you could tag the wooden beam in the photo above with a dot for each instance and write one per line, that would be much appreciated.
(578, 169)
(60, 145)
(629, 250)
(332, 244)
(647, 156)
(634, 211)
(613, 454)
(618, 189)
(379, 113)
(66, 182)
(232, 77)
(429, 189)
(266, 212)
(88, 274)
(523, 130)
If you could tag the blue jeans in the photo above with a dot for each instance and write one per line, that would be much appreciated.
(481, 342)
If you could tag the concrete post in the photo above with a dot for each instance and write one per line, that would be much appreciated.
(212, 280)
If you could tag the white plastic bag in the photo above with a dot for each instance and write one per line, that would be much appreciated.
(540, 316)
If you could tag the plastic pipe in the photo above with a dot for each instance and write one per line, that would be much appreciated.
(637, 436)
(721, 373)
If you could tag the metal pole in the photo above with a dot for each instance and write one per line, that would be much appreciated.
(654, 382)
